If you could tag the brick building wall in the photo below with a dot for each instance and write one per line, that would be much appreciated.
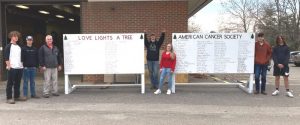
(2, 64)
(132, 17)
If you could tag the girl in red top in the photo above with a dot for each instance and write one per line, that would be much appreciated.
(167, 67)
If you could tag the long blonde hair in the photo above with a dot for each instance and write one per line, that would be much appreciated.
(171, 51)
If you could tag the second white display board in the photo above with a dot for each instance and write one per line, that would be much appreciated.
(214, 52)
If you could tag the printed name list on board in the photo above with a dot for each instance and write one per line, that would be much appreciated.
(104, 53)
(214, 52)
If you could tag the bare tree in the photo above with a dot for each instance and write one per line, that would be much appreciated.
(194, 28)
(280, 17)
(241, 10)
(230, 27)
(294, 32)
(273, 17)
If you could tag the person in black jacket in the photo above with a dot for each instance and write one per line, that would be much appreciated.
(30, 62)
(281, 56)
(50, 63)
(153, 47)
(14, 65)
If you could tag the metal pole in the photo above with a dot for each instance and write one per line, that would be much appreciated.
(67, 89)
(250, 90)
(173, 83)
(143, 83)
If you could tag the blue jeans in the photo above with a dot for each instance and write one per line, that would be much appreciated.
(260, 72)
(29, 73)
(153, 72)
(164, 72)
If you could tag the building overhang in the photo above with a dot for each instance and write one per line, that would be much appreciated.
(193, 5)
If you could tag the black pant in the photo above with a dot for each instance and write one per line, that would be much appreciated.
(14, 80)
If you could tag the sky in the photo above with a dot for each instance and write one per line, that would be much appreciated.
(208, 18)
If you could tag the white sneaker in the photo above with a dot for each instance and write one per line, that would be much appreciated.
(168, 92)
(276, 92)
(157, 92)
(289, 94)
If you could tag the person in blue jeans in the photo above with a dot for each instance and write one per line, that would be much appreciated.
(153, 47)
(167, 67)
(30, 62)
(263, 52)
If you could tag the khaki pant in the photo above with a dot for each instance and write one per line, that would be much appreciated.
(50, 77)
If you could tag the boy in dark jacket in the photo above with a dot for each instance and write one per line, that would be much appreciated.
(30, 62)
(281, 56)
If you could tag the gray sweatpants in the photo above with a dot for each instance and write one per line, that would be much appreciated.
(50, 77)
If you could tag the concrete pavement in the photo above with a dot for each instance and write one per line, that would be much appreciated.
(191, 105)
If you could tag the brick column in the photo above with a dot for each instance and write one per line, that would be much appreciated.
(132, 17)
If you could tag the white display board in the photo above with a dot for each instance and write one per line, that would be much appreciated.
(214, 52)
(104, 53)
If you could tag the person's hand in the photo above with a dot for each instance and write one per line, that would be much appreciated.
(59, 68)
(8, 67)
(280, 66)
(43, 69)
(160, 70)
(164, 30)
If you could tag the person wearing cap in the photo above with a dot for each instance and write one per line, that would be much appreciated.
(30, 62)
(14, 65)
(50, 63)
(153, 47)
(263, 53)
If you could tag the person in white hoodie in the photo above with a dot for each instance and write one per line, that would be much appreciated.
(14, 65)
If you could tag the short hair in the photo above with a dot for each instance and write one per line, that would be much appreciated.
(14, 33)
(48, 36)
(260, 34)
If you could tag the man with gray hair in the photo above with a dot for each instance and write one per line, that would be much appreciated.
(50, 63)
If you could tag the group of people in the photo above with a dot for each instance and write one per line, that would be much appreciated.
(26, 59)
(280, 55)
(167, 63)
(23, 61)
(264, 53)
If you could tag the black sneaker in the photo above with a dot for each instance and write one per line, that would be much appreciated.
(153, 87)
(35, 97)
(264, 93)
(21, 99)
(256, 92)
(55, 94)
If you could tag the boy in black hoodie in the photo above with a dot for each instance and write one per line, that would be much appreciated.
(153, 47)
(281, 56)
